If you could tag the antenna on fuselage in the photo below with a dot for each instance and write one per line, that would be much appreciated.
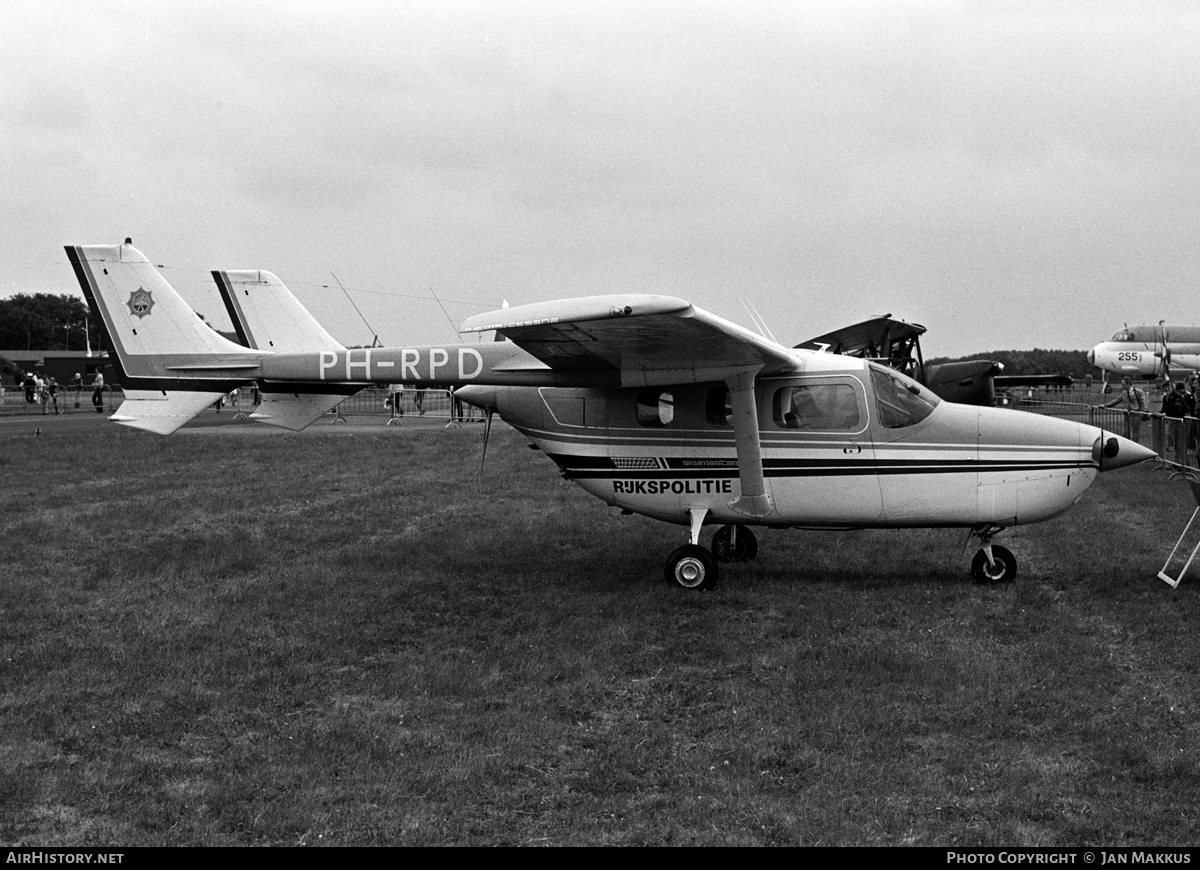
(449, 319)
(487, 431)
(374, 335)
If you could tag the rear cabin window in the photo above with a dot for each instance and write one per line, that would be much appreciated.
(901, 401)
(718, 407)
(822, 407)
(654, 408)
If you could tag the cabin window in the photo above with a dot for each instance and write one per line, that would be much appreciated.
(823, 407)
(718, 407)
(655, 408)
(901, 401)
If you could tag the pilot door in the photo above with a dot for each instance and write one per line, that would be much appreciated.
(818, 457)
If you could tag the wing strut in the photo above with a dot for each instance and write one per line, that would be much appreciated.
(754, 501)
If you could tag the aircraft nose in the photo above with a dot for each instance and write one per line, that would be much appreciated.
(1117, 452)
(1091, 356)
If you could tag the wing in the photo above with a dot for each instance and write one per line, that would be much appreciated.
(647, 339)
(872, 338)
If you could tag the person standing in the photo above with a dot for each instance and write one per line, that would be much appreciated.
(52, 389)
(77, 387)
(1174, 409)
(1135, 406)
(98, 392)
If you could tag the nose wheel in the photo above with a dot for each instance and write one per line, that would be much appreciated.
(1001, 569)
(993, 563)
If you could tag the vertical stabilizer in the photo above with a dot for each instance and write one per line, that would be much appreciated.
(267, 316)
(171, 364)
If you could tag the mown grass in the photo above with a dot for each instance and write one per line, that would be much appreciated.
(337, 638)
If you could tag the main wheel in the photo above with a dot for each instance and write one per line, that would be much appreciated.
(691, 567)
(1004, 571)
(727, 548)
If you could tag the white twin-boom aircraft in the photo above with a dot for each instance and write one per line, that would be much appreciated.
(652, 405)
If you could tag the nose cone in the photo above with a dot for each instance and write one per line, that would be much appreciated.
(1117, 452)
(1092, 357)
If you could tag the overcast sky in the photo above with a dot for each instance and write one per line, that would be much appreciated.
(1010, 175)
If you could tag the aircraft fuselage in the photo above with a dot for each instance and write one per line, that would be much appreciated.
(1149, 351)
(848, 459)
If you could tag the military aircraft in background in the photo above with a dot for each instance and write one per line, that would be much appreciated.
(1149, 352)
(897, 344)
(654, 406)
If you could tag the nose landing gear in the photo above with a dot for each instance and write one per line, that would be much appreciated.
(993, 563)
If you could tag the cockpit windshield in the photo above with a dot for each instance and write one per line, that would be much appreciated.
(901, 400)
(1123, 335)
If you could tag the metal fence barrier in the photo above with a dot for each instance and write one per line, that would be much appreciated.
(1175, 440)
(370, 402)
(66, 400)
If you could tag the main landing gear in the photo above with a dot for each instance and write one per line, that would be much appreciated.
(693, 567)
(993, 563)
(734, 544)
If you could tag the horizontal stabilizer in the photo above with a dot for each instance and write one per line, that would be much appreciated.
(217, 367)
(160, 412)
(294, 411)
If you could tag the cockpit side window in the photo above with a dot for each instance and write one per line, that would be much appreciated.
(901, 401)
(1123, 335)
(655, 408)
(822, 407)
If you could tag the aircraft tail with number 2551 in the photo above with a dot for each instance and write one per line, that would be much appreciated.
(652, 405)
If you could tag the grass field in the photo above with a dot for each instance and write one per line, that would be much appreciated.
(226, 637)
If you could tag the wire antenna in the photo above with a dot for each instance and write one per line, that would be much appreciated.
(759, 323)
(449, 319)
(375, 342)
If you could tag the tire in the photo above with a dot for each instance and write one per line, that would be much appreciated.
(743, 550)
(1004, 571)
(691, 567)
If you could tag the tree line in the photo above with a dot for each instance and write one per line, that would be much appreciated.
(45, 321)
(1034, 362)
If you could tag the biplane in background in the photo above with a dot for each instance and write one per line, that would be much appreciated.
(1149, 352)
(654, 406)
(898, 344)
